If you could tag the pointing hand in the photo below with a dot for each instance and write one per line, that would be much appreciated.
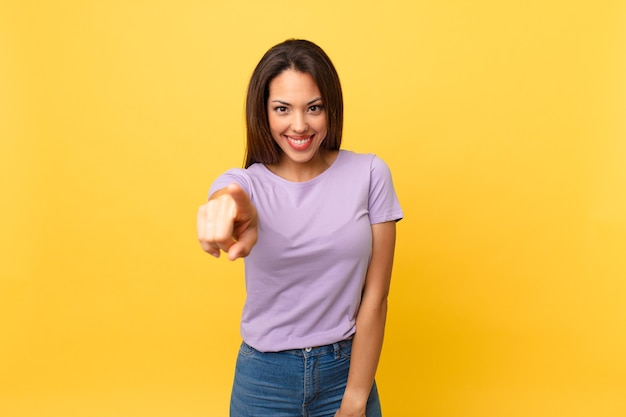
(228, 222)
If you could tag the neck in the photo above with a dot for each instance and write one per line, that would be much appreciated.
(301, 172)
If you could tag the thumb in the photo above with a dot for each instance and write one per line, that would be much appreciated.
(244, 244)
(242, 201)
(245, 228)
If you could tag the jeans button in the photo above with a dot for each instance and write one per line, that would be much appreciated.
(307, 349)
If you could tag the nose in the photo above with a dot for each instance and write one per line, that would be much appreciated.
(299, 124)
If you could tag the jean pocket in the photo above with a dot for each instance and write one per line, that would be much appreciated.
(345, 349)
(246, 350)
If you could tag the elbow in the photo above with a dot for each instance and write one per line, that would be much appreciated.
(375, 305)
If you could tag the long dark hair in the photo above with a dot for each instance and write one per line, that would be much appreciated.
(303, 56)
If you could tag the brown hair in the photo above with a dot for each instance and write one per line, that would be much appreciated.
(303, 56)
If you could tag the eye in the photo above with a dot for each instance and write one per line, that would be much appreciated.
(280, 109)
(316, 108)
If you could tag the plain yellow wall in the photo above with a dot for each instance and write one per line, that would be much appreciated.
(504, 125)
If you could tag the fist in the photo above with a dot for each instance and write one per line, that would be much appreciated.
(228, 222)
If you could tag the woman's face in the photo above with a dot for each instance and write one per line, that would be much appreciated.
(296, 115)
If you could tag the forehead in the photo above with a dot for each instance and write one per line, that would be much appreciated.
(295, 84)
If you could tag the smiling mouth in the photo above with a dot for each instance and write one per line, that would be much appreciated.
(299, 140)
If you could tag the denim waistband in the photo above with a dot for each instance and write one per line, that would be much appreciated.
(316, 350)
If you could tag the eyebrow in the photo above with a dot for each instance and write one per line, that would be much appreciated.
(289, 104)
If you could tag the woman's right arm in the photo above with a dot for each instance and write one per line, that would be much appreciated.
(228, 222)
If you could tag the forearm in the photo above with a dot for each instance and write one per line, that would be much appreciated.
(366, 350)
(370, 323)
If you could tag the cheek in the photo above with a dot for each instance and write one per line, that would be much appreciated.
(274, 124)
(321, 127)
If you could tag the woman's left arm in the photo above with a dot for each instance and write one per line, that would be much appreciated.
(370, 322)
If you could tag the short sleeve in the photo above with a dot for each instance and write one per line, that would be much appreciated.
(235, 175)
(383, 201)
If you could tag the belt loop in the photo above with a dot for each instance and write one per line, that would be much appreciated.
(336, 349)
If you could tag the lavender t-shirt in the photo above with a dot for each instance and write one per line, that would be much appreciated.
(305, 275)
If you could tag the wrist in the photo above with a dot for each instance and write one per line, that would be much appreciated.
(353, 403)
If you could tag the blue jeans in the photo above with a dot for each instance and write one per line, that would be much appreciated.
(294, 383)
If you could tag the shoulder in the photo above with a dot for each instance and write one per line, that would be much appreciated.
(348, 155)
(240, 176)
(373, 162)
(354, 159)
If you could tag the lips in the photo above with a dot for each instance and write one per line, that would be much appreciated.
(300, 142)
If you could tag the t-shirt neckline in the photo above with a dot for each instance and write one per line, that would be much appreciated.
(318, 177)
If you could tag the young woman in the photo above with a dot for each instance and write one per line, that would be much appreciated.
(316, 226)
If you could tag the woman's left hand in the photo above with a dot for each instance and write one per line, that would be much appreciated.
(344, 413)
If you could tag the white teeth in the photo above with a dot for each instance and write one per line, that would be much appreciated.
(299, 141)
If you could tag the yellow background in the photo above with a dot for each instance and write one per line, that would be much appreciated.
(504, 124)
